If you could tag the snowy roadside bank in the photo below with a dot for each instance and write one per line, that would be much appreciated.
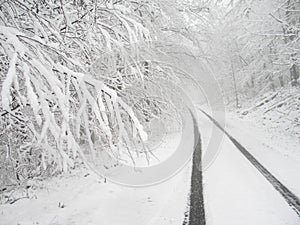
(280, 154)
(86, 199)
(269, 130)
(237, 193)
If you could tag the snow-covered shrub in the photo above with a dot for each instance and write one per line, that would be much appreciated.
(52, 99)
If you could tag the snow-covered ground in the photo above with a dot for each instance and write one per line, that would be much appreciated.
(280, 154)
(80, 199)
(84, 198)
(270, 130)
(236, 193)
(275, 112)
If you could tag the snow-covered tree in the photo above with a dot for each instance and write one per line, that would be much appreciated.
(60, 65)
(257, 46)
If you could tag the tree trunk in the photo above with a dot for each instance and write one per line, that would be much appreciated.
(235, 88)
(291, 20)
(294, 72)
(281, 81)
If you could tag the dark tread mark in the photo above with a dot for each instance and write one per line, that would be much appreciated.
(289, 197)
(197, 212)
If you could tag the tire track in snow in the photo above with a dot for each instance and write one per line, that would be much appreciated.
(289, 197)
(196, 213)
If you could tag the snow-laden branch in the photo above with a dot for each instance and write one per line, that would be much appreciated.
(50, 48)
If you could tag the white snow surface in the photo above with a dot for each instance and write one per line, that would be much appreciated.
(84, 198)
(235, 192)
(88, 200)
(279, 153)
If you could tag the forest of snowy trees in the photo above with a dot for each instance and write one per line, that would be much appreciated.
(83, 74)
(260, 41)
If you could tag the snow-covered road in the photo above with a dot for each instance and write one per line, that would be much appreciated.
(237, 193)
